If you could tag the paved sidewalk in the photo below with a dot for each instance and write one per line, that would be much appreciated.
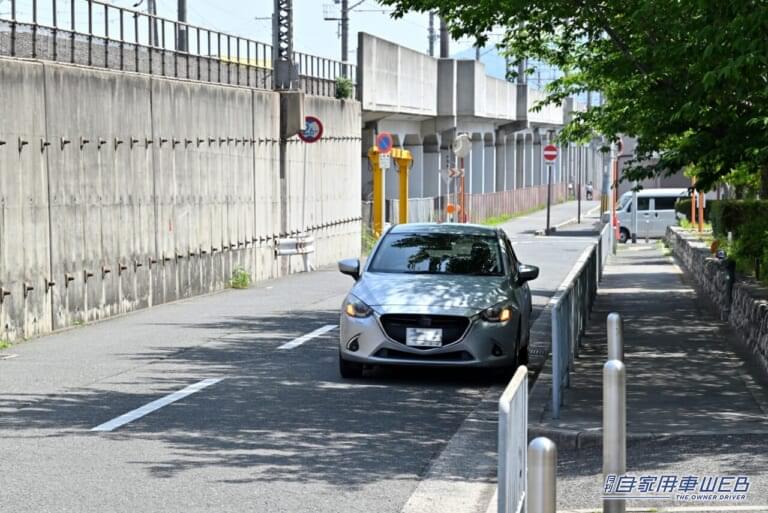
(684, 375)
(694, 403)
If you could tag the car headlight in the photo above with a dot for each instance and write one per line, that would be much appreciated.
(497, 313)
(353, 307)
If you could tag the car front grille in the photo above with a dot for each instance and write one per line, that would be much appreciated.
(453, 326)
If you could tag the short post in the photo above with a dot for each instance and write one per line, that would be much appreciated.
(549, 196)
(615, 337)
(542, 476)
(614, 428)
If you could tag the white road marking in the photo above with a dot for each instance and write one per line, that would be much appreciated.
(309, 336)
(155, 405)
(8, 356)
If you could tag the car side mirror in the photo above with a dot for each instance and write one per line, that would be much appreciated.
(350, 267)
(526, 273)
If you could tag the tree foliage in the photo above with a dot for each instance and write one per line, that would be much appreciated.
(688, 78)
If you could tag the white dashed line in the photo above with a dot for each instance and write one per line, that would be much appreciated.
(309, 336)
(155, 405)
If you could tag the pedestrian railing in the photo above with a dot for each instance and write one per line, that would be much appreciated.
(100, 34)
(604, 249)
(571, 305)
(513, 444)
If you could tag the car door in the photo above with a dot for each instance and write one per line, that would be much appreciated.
(663, 214)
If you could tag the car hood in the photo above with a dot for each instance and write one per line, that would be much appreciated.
(428, 292)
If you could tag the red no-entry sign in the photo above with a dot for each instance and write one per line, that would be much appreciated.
(550, 153)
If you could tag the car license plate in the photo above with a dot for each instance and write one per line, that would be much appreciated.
(423, 337)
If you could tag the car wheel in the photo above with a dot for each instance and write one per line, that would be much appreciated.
(522, 356)
(349, 370)
(623, 235)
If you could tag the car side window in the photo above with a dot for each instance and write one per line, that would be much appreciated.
(665, 203)
(642, 204)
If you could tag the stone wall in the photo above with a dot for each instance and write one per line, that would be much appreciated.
(743, 302)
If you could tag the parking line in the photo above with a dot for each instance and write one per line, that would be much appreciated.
(309, 336)
(155, 405)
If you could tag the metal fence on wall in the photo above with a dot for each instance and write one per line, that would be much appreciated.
(97, 33)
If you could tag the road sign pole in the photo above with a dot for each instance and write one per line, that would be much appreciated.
(462, 199)
(549, 195)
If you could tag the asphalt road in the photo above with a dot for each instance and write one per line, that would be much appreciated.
(279, 431)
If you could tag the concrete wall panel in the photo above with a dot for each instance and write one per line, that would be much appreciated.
(129, 191)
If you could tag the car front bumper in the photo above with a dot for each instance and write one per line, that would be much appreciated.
(484, 344)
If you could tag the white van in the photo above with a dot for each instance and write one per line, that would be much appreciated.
(655, 211)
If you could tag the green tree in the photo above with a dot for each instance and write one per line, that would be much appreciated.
(688, 78)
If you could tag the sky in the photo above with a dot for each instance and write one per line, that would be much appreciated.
(312, 34)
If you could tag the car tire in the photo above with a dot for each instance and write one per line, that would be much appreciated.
(522, 356)
(350, 370)
(623, 235)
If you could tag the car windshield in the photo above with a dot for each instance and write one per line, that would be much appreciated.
(438, 253)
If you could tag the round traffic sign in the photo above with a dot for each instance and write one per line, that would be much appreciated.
(384, 142)
(313, 130)
(550, 152)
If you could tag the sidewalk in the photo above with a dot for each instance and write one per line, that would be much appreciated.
(694, 403)
(683, 373)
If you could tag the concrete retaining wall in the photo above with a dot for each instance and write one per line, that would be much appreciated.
(742, 302)
(119, 191)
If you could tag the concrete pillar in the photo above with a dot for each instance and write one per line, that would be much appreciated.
(474, 180)
(431, 183)
(489, 163)
(510, 163)
(413, 143)
(501, 162)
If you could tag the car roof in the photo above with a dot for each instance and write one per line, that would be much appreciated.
(452, 228)
(658, 192)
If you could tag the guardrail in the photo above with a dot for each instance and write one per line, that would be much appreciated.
(571, 305)
(513, 444)
(100, 34)
(604, 244)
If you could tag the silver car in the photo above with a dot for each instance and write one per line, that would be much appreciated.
(437, 295)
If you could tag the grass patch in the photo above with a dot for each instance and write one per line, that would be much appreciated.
(241, 279)
(663, 247)
(496, 220)
(4, 344)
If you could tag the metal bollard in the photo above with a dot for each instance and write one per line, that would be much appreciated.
(542, 476)
(614, 428)
(615, 337)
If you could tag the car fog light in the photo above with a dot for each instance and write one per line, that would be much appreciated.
(496, 351)
(353, 345)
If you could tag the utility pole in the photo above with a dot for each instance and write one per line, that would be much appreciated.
(181, 43)
(344, 36)
(282, 44)
(445, 40)
(431, 34)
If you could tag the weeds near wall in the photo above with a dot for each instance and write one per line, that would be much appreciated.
(368, 240)
(240, 279)
(4, 344)
(343, 88)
